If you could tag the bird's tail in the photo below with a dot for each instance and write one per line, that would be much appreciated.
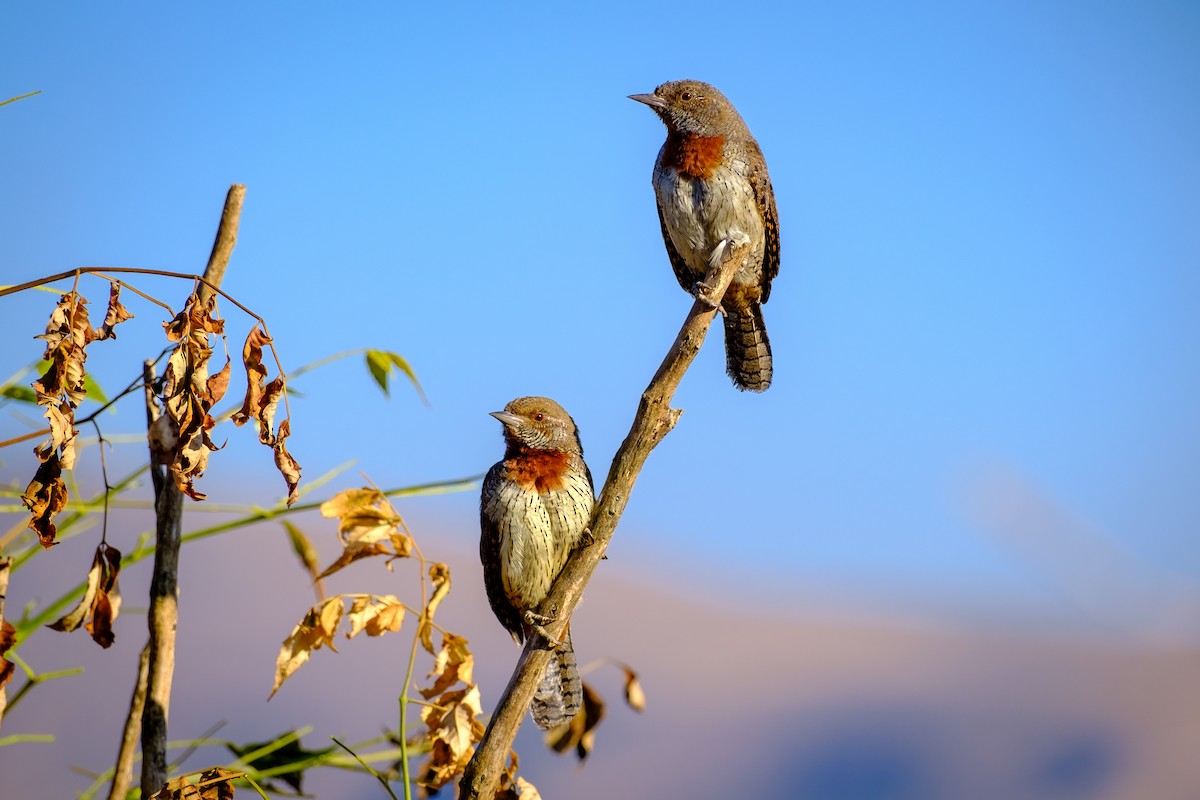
(747, 350)
(560, 692)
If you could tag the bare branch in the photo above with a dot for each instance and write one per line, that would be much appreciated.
(164, 587)
(654, 419)
(123, 772)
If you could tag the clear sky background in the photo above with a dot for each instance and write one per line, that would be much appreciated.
(989, 291)
(990, 224)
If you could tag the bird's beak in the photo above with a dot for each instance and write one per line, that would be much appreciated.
(509, 419)
(652, 100)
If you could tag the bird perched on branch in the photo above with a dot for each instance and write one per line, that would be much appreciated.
(534, 511)
(713, 192)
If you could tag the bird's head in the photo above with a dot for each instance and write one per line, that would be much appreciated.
(691, 107)
(539, 423)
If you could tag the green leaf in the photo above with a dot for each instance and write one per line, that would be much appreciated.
(303, 548)
(380, 365)
(94, 392)
(381, 362)
(20, 393)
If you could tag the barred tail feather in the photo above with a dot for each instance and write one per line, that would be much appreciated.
(560, 692)
(747, 349)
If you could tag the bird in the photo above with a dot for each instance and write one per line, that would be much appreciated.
(713, 191)
(534, 511)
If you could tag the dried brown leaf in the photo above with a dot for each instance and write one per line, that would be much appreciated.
(368, 525)
(316, 630)
(354, 553)
(454, 663)
(454, 730)
(285, 463)
(439, 574)
(580, 731)
(45, 496)
(256, 374)
(267, 406)
(375, 614)
(115, 314)
(62, 387)
(189, 393)
(634, 695)
(216, 386)
(101, 599)
(214, 783)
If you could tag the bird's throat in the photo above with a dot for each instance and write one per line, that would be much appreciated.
(540, 470)
(693, 156)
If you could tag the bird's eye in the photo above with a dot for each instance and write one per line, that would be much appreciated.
(537, 417)
(685, 96)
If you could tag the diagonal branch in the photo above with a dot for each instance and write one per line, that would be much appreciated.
(654, 420)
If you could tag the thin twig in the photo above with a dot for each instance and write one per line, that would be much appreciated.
(368, 768)
(654, 419)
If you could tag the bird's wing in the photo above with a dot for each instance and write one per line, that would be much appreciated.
(489, 553)
(760, 182)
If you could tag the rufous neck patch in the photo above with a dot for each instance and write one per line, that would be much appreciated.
(694, 156)
(539, 470)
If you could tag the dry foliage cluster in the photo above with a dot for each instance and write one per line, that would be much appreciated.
(186, 393)
(179, 436)
(368, 525)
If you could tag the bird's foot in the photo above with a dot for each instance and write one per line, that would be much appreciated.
(536, 622)
(704, 293)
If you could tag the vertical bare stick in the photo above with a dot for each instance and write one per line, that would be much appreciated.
(654, 419)
(123, 772)
(164, 586)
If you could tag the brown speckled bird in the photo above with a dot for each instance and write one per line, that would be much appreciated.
(534, 510)
(713, 192)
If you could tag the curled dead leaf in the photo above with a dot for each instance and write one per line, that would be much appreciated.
(315, 631)
(634, 695)
(59, 390)
(115, 314)
(453, 731)
(260, 404)
(256, 374)
(189, 393)
(580, 731)
(285, 463)
(45, 496)
(439, 574)
(453, 663)
(101, 601)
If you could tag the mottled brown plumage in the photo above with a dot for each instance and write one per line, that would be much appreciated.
(535, 506)
(712, 188)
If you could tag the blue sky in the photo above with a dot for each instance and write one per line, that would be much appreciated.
(990, 256)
